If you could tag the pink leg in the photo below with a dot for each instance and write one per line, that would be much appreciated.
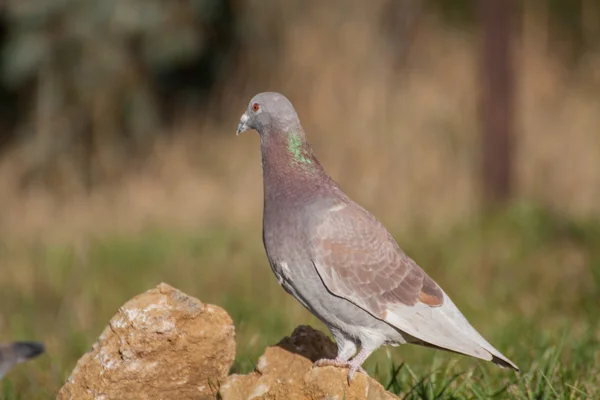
(353, 365)
(357, 361)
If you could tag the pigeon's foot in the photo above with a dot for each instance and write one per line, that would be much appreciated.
(336, 362)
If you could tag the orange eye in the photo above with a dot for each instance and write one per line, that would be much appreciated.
(255, 107)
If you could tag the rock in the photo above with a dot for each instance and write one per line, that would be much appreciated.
(162, 344)
(285, 371)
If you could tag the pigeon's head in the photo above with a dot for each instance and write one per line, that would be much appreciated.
(268, 111)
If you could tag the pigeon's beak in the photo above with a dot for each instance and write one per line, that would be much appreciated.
(242, 127)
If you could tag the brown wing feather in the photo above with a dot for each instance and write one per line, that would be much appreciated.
(359, 260)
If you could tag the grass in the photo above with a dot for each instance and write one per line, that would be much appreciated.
(528, 280)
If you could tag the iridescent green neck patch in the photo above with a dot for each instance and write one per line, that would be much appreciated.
(296, 148)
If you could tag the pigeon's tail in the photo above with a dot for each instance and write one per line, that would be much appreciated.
(504, 362)
(446, 328)
(500, 360)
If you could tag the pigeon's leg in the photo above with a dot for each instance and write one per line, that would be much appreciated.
(357, 361)
(346, 349)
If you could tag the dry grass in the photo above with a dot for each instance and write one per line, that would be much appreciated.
(403, 144)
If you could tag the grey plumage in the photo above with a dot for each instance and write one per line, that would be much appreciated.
(14, 353)
(339, 261)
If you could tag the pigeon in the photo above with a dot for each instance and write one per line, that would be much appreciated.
(339, 261)
(14, 353)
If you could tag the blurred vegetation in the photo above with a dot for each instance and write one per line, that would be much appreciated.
(98, 81)
(95, 80)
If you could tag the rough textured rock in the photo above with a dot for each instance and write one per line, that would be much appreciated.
(162, 344)
(285, 371)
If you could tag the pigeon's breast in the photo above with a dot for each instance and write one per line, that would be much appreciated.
(283, 239)
(288, 251)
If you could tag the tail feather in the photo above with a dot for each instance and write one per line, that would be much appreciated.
(447, 329)
(501, 361)
(505, 363)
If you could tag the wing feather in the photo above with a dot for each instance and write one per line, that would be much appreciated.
(360, 261)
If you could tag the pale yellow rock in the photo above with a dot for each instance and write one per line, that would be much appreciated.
(285, 371)
(162, 344)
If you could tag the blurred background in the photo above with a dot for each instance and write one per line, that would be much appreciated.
(470, 128)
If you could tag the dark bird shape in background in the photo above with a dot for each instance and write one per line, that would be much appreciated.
(339, 261)
(14, 353)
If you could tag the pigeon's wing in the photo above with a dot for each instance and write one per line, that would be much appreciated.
(357, 259)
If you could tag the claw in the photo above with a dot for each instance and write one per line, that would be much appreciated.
(352, 367)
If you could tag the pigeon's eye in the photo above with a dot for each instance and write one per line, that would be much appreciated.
(255, 107)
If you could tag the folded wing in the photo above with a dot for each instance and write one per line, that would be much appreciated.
(358, 260)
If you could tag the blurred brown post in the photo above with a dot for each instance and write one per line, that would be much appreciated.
(497, 97)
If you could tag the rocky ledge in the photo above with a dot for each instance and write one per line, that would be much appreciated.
(164, 344)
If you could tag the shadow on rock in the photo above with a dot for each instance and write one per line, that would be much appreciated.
(285, 371)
